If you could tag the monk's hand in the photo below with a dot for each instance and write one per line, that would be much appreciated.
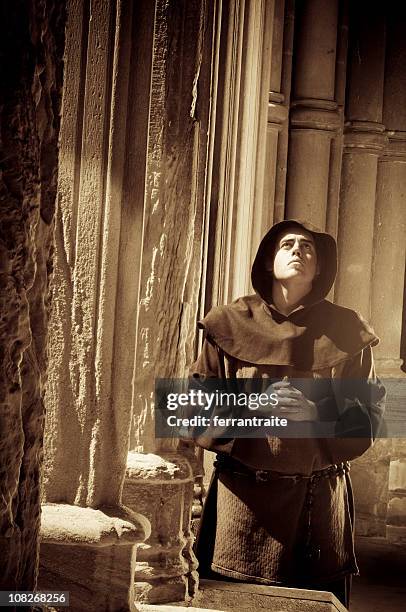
(292, 404)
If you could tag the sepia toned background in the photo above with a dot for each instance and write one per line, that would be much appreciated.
(186, 128)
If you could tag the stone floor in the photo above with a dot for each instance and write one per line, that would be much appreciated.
(381, 587)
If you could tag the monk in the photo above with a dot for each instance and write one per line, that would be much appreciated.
(279, 509)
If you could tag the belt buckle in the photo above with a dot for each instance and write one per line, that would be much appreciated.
(261, 476)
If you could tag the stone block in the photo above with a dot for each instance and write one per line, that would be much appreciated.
(91, 554)
(397, 511)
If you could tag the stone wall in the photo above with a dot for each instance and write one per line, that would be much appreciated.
(32, 40)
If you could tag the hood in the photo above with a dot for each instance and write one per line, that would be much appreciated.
(316, 335)
(326, 249)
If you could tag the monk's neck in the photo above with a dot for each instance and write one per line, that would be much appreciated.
(288, 296)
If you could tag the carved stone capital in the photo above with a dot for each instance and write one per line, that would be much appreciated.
(313, 114)
(364, 137)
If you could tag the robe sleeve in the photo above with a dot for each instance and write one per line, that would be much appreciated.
(357, 407)
(210, 365)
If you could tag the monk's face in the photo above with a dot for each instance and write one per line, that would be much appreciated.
(295, 256)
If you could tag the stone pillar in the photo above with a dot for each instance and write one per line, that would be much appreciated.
(389, 260)
(238, 210)
(267, 35)
(88, 397)
(390, 218)
(31, 48)
(278, 112)
(173, 212)
(336, 152)
(160, 475)
(314, 115)
(85, 433)
(364, 141)
(390, 253)
(371, 238)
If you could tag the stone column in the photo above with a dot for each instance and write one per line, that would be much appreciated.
(371, 230)
(278, 112)
(267, 31)
(160, 475)
(314, 115)
(85, 434)
(31, 48)
(389, 260)
(88, 411)
(390, 253)
(364, 141)
(336, 152)
(390, 218)
(224, 130)
(238, 210)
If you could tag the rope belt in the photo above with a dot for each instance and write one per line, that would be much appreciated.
(311, 551)
(227, 464)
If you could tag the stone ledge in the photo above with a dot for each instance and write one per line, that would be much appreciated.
(92, 554)
(219, 596)
(67, 524)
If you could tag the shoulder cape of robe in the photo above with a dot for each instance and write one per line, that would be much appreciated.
(312, 337)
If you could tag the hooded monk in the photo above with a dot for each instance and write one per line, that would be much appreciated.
(280, 510)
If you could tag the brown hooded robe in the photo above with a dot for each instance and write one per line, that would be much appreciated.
(289, 531)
